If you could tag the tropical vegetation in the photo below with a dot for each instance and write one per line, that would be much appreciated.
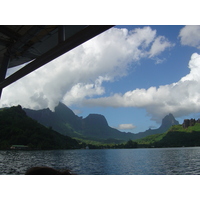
(18, 129)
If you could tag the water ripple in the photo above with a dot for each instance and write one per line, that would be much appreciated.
(166, 161)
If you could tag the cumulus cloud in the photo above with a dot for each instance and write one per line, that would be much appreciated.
(126, 127)
(79, 74)
(189, 35)
(81, 90)
(180, 98)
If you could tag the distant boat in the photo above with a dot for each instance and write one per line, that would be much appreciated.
(19, 147)
(87, 147)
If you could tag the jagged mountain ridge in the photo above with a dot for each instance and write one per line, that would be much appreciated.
(93, 127)
(64, 121)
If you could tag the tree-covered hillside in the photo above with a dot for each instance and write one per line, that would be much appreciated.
(16, 128)
(176, 136)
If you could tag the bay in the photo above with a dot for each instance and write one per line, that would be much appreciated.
(154, 161)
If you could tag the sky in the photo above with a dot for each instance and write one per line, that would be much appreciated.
(134, 75)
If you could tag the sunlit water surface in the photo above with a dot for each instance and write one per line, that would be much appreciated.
(158, 161)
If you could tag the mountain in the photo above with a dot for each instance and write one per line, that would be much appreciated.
(167, 122)
(94, 127)
(63, 120)
(16, 128)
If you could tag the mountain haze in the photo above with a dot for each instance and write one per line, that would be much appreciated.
(94, 127)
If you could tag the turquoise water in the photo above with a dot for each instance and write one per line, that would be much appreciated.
(158, 161)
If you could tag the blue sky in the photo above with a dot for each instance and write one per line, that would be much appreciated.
(133, 75)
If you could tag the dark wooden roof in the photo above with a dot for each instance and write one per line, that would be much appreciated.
(38, 45)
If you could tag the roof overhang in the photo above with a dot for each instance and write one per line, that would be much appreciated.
(39, 45)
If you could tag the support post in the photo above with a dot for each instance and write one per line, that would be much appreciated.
(61, 33)
(3, 69)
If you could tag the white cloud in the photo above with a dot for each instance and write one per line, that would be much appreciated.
(189, 35)
(180, 98)
(159, 45)
(126, 127)
(80, 91)
(79, 74)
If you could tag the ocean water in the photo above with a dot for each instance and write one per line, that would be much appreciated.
(155, 161)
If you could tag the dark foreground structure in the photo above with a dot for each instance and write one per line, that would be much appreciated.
(38, 45)
(46, 171)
